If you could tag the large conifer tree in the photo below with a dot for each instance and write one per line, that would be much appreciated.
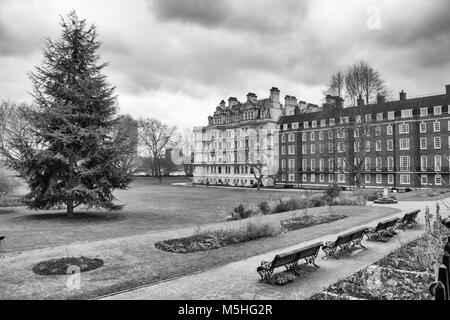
(74, 159)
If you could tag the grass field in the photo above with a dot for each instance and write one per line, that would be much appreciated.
(149, 207)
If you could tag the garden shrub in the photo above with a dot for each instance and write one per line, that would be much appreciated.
(264, 207)
(210, 240)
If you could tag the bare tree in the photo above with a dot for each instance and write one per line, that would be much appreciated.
(336, 85)
(14, 128)
(155, 138)
(126, 135)
(362, 80)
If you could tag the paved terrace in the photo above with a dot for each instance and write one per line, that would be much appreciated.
(239, 280)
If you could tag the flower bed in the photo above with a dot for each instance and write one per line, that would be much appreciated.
(310, 220)
(210, 240)
(378, 283)
(404, 274)
(60, 266)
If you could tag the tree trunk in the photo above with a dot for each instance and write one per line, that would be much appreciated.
(70, 212)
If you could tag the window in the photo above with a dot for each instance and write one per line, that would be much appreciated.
(314, 124)
(321, 165)
(379, 116)
(404, 144)
(377, 131)
(295, 126)
(437, 110)
(436, 126)
(367, 164)
(283, 177)
(367, 178)
(304, 165)
(341, 164)
(423, 112)
(330, 148)
(313, 177)
(321, 148)
(368, 118)
(391, 115)
(304, 136)
(323, 123)
(283, 165)
(407, 113)
(423, 143)
(390, 179)
(379, 164)
(330, 178)
(367, 146)
(313, 136)
(341, 147)
(378, 145)
(405, 179)
(291, 149)
(437, 142)
(356, 146)
(341, 178)
(437, 163)
(331, 164)
(390, 163)
(423, 127)
(448, 125)
(438, 180)
(358, 119)
(291, 137)
(423, 163)
(330, 135)
(390, 130)
(424, 179)
(305, 125)
(405, 163)
(291, 164)
(379, 179)
(404, 128)
(304, 149)
(313, 149)
(340, 134)
(283, 150)
(390, 145)
(291, 177)
(332, 122)
(321, 135)
(313, 164)
(322, 177)
(304, 177)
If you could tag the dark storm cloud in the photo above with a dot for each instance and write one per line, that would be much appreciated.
(192, 11)
(249, 16)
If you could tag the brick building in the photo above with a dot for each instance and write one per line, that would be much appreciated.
(400, 144)
(239, 136)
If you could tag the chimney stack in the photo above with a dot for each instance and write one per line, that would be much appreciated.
(381, 99)
(275, 95)
(402, 96)
(222, 104)
(447, 89)
(251, 97)
(232, 101)
(360, 101)
(290, 103)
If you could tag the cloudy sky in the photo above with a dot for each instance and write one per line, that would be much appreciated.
(176, 59)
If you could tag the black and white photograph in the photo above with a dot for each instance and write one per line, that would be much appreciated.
(223, 156)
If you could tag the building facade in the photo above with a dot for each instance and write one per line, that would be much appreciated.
(402, 144)
(240, 142)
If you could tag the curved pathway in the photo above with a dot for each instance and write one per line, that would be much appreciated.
(239, 280)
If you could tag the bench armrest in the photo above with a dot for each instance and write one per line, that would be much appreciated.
(266, 265)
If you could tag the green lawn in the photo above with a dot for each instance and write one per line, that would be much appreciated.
(149, 207)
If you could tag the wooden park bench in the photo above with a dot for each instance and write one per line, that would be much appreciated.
(345, 241)
(290, 260)
(383, 231)
(408, 221)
